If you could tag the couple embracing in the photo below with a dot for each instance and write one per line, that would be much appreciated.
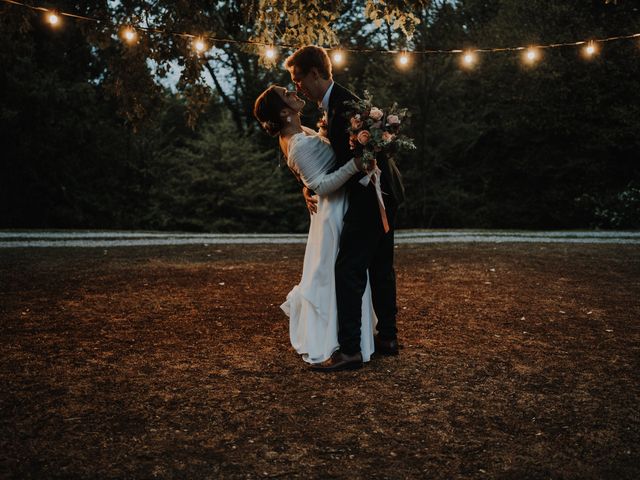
(344, 308)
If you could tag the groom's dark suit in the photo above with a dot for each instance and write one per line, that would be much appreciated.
(363, 243)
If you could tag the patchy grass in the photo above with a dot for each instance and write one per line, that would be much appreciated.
(519, 362)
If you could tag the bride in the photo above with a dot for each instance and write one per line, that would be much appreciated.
(311, 305)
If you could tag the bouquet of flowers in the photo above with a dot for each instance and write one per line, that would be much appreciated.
(374, 131)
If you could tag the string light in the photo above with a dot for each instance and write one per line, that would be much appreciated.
(270, 53)
(590, 50)
(468, 59)
(199, 45)
(337, 57)
(129, 34)
(53, 18)
(403, 59)
(531, 55)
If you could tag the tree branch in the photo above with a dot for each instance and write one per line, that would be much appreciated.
(228, 102)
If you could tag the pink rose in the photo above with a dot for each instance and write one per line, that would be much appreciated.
(393, 120)
(376, 113)
(363, 137)
(387, 137)
(356, 123)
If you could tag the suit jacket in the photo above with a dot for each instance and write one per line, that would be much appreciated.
(363, 203)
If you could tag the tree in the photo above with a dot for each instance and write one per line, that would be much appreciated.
(216, 180)
(89, 134)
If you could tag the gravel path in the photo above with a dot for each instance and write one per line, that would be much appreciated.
(105, 239)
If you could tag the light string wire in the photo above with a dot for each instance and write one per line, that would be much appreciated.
(215, 39)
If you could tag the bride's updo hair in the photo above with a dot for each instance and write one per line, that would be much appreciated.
(267, 110)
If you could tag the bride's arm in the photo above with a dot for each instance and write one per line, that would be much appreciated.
(308, 163)
(330, 182)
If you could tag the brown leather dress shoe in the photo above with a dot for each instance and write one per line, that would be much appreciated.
(339, 361)
(386, 347)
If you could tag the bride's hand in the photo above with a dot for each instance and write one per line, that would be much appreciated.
(361, 166)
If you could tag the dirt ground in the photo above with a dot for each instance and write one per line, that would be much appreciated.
(519, 362)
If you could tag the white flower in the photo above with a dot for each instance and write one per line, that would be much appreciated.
(375, 113)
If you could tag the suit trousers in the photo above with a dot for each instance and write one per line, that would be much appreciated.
(362, 249)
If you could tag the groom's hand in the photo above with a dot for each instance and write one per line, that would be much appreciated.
(312, 202)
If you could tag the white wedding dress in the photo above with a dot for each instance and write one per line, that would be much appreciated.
(311, 305)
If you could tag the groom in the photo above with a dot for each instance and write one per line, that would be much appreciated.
(364, 245)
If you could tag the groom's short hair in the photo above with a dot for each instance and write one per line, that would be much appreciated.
(306, 58)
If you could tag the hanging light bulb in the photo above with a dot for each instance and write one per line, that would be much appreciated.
(53, 19)
(199, 45)
(468, 59)
(270, 53)
(403, 59)
(129, 34)
(531, 55)
(337, 57)
(590, 50)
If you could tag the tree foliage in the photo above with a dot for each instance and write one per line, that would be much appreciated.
(91, 138)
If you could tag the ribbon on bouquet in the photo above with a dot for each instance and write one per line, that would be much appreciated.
(374, 176)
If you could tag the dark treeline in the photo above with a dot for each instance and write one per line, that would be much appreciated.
(501, 145)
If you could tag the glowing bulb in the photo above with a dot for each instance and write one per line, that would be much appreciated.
(337, 57)
(129, 34)
(199, 45)
(53, 19)
(590, 50)
(468, 59)
(270, 53)
(403, 59)
(531, 55)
